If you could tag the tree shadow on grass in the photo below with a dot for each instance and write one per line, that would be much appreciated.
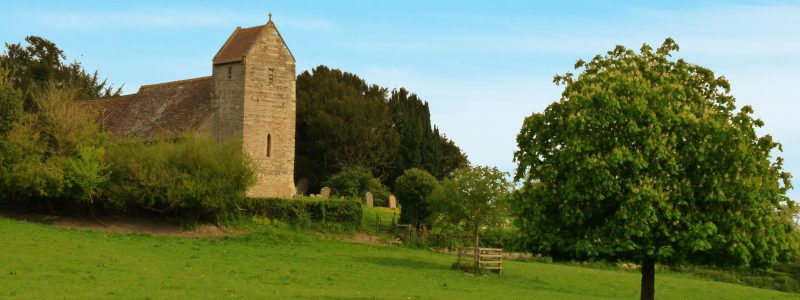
(403, 262)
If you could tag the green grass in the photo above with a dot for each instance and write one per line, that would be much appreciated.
(42, 262)
(374, 214)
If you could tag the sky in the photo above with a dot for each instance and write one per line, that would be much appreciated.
(482, 65)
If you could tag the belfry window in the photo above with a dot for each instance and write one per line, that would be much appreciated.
(271, 75)
(229, 72)
(269, 145)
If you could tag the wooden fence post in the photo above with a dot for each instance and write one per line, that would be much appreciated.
(377, 224)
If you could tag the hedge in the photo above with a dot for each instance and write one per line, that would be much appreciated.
(304, 211)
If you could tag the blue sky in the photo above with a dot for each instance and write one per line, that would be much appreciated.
(483, 66)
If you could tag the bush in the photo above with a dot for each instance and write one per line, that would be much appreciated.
(380, 194)
(53, 155)
(412, 190)
(352, 182)
(783, 276)
(497, 238)
(11, 101)
(190, 178)
(355, 182)
(302, 212)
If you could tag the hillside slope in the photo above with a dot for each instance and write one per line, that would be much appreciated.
(39, 261)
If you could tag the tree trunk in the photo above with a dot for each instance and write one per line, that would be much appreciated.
(477, 250)
(477, 241)
(648, 279)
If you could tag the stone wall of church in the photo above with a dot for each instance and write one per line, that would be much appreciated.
(268, 131)
(227, 122)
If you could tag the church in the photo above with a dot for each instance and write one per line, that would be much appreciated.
(250, 96)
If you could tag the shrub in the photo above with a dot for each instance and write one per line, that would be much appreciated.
(11, 100)
(190, 178)
(497, 238)
(352, 182)
(474, 198)
(379, 192)
(412, 190)
(304, 211)
(355, 182)
(52, 155)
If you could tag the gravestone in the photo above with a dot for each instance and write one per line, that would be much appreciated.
(392, 202)
(325, 193)
(302, 186)
(370, 201)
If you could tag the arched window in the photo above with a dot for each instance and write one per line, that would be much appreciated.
(269, 145)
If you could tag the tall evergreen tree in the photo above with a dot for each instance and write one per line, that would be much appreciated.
(342, 122)
(420, 145)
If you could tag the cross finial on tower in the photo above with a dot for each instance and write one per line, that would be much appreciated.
(270, 16)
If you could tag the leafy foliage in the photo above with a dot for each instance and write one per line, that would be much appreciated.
(474, 198)
(646, 159)
(343, 122)
(190, 178)
(355, 183)
(40, 63)
(52, 149)
(421, 147)
(57, 158)
(413, 189)
(11, 102)
(54, 154)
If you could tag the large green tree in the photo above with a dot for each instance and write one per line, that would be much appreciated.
(40, 62)
(646, 158)
(421, 146)
(342, 122)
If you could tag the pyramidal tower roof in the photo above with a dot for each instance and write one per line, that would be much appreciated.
(240, 41)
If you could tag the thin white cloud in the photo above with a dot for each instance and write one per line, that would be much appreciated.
(718, 30)
(162, 18)
(310, 24)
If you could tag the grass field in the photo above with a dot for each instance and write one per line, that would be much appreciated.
(43, 262)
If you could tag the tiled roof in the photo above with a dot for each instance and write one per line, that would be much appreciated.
(237, 45)
(170, 107)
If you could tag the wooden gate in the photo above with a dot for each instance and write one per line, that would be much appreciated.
(490, 259)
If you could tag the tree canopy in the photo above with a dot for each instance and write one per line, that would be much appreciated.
(473, 198)
(421, 146)
(343, 123)
(40, 62)
(413, 189)
(646, 158)
(355, 183)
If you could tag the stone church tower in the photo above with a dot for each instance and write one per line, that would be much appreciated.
(249, 96)
(254, 76)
